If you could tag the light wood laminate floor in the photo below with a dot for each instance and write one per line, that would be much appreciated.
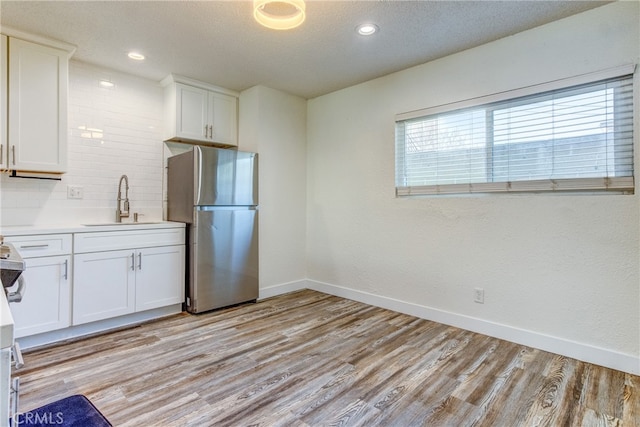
(311, 359)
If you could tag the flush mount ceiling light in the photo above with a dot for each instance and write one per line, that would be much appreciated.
(367, 29)
(136, 56)
(279, 14)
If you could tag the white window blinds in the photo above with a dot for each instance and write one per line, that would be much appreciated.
(576, 138)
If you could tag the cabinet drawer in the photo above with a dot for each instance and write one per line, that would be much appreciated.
(43, 245)
(116, 240)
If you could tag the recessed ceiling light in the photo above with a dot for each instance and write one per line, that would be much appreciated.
(136, 56)
(106, 83)
(366, 29)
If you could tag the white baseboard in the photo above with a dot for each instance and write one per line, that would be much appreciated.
(87, 329)
(284, 288)
(586, 353)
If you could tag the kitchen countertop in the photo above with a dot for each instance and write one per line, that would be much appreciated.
(24, 230)
(6, 323)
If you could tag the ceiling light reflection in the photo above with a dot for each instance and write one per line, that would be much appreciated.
(136, 56)
(367, 29)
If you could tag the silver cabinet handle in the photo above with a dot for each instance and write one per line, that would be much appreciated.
(66, 269)
(206, 131)
(211, 131)
(1, 153)
(139, 260)
(34, 246)
(133, 261)
(13, 151)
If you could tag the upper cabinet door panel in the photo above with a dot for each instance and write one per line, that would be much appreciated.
(3, 103)
(225, 122)
(191, 112)
(38, 84)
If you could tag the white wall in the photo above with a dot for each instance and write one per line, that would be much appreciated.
(130, 117)
(558, 271)
(273, 124)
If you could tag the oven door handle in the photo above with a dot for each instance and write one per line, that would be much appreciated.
(19, 293)
(15, 395)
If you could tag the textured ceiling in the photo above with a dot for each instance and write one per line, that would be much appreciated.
(220, 43)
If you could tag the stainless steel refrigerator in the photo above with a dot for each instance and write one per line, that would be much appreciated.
(215, 191)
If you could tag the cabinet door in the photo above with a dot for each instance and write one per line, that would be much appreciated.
(191, 112)
(103, 286)
(3, 103)
(224, 118)
(38, 107)
(46, 304)
(160, 277)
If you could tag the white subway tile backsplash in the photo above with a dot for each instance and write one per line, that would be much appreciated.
(111, 132)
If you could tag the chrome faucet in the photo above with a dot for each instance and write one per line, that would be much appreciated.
(123, 213)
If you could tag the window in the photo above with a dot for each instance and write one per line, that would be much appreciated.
(572, 138)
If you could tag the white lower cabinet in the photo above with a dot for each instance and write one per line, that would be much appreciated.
(159, 277)
(46, 304)
(104, 285)
(116, 276)
(114, 283)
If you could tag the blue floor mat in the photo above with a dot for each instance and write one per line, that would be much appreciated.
(72, 411)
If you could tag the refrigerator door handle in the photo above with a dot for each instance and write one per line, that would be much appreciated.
(198, 159)
(226, 208)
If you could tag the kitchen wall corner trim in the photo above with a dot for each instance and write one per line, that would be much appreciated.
(283, 288)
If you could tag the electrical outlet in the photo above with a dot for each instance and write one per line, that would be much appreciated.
(74, 192)
(478, 295)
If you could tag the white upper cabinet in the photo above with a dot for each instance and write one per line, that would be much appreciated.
(36, 106)
(200, 113)
(191, 108)
(3, 103)
(224, 118)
